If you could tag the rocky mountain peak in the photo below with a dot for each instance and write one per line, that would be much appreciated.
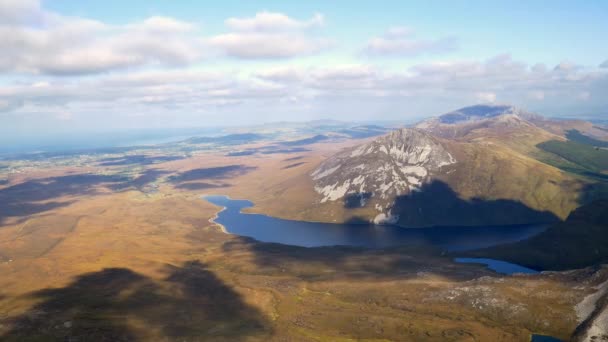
(378, 171)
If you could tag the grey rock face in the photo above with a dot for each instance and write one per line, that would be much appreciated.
(389, 166)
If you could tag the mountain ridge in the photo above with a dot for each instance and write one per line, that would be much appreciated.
(488, 170)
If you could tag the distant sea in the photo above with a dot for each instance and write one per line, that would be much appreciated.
(71, 142)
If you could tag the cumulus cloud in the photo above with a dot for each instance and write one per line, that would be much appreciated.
(270, 35)
(264, 45)
(486, 97)
(174, 91)
(37, 41)
(536, 95)
(145, 68)
(565, 66)
(402, 41)
(272, 22)
(15, 11)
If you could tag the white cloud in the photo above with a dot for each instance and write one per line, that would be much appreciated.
(537, 95)
(267, 45)
(565, 66)
(187, 90)
(64, 115)
(486, 97)
(163, 25)
(56, 44)
(272, 22)
(584, 96)
(144, 69)
(15, 11)
(270, 35)
(401, 41)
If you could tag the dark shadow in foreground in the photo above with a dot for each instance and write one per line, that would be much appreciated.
(351, 262)
(191, 303)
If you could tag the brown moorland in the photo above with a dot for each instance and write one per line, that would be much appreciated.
(111, 261)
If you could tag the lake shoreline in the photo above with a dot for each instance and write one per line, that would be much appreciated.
(371, 224)
(232, 219)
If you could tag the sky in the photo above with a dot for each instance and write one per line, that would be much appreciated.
(71, 66)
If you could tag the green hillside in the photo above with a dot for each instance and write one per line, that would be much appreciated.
(586, 156)
(576, 136)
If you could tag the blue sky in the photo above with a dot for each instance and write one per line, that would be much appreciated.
(535, 31)
(105, 65)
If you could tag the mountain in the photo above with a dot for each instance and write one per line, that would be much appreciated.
(414, 179)
(478, 112)
(392, 165)
(476, 166)
(506, 123)
(580, 241)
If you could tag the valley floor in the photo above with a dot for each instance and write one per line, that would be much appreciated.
(149, 266)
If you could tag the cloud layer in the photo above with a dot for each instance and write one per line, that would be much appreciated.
(270, 35)
(401, 41)
(67, 69)
(499, 79)
(42, 42)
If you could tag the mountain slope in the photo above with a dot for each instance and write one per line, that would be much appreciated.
(414, 179)
(477, 166)
(392, 165)
(580, 241)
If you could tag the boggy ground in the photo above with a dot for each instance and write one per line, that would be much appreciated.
(109, 261)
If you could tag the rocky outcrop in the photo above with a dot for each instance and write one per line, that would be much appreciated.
(390, 166)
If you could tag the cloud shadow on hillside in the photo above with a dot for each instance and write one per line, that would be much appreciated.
(140, 159)
(436, 204)
(191, 302)
(41, 195)
(219, 172)
(213, 177)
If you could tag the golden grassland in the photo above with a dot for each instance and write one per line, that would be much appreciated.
(123, 265)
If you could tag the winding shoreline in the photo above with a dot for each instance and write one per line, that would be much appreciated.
(212, 220)
(222, 227)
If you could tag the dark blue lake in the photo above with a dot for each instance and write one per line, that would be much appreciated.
(497, 265)
(311, 234)
(544, 338)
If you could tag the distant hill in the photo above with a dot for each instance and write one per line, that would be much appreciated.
(306, 141)
(230, 139)
(475, 113)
